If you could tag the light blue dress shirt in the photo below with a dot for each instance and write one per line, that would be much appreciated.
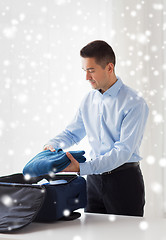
(114, 123)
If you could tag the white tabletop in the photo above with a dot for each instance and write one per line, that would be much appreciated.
(94, 227)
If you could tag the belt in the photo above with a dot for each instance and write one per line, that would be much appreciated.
(122, 167)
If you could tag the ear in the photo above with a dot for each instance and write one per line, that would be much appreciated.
(110, 67)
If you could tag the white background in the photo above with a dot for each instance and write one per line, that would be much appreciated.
(42, 83)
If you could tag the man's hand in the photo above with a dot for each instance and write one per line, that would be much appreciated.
(49, 147)
(74, 165)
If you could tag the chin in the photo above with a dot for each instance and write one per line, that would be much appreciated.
(93, 87)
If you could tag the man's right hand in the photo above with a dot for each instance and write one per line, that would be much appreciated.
(49, 147)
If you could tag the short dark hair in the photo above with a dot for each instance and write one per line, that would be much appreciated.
(101, 51)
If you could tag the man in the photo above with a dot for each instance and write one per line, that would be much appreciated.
(113, 116)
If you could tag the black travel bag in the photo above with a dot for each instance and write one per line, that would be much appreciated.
(23, 200)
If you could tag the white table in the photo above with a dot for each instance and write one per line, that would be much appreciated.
(94, 227)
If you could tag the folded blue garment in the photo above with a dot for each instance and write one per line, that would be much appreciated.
(47, 162)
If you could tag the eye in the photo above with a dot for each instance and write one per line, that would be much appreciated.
(91, 71)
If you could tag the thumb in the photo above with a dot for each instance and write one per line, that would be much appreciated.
(70, 157)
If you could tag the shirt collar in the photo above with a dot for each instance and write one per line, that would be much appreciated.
(114, 89)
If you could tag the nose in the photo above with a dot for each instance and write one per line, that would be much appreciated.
(88, 76)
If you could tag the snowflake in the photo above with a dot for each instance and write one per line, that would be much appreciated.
(47, 55)
(60, 2)
(43, 190)
(10, 32)
(150, 15)
(61, 116)
(128, 63)
(1, 133)
(79, 12)
(76, 200)
(132, 36)
(22, 98)
(2, 124)
(143, 225)
(51, 174)
(164, 26)
(21, 16)
(29, 4)
(27, 177)
(157, 6)
(28, 37)
(156, 187)
(132, 73)
(44, 9)
(156, 73)
(10, 152)
(148, 33)
(21, 66)
(162, 162)
(146, 57)
(77, 237)
(158, 118)
(152, 92)
(36, 118)
(138, 6)
(75, 28)
(6, 63)
(66, 212)
(62, 144)
(28, 151)
(133, 13)
(6, 200)
(54, 169)
(164, 66)
(154, 48)
(91, 138)
(39, 37)
(14, 124)
(49, 109)
(112, 218)
(142, 38)
(14, 22)
(150, 160)
(139, 53)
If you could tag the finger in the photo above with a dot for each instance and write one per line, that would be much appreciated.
(52, 149)
(45, 147)
(70, 156)
(49, 147)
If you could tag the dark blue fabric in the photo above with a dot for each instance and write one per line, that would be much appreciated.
(69, 196)
(45, 203)
(47, 162)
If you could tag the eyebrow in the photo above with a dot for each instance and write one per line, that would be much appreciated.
(87, 69)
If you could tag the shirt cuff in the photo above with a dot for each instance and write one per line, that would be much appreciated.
(85, 168)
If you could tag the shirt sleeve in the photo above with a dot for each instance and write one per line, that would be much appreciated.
(131, 133)
(73, 133)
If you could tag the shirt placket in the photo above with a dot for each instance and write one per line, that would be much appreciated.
(101, 130)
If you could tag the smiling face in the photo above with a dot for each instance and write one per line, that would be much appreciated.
(99, 78)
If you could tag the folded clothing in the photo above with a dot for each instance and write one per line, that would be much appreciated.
(47, 162)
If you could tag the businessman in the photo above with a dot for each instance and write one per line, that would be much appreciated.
(113, 116)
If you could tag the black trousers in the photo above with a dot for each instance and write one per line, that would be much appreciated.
(120, 192)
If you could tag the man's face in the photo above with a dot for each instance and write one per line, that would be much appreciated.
(95, 74)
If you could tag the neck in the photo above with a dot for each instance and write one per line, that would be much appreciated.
(113, 80)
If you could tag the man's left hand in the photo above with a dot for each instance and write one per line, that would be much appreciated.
(74, 165)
